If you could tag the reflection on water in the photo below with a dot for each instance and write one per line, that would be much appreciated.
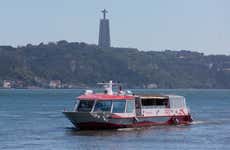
(127, 131)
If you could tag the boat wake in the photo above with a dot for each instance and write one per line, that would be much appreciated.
(199, 122)
(126, 129)
(219, 121)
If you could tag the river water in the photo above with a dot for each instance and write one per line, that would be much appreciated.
(33, 119)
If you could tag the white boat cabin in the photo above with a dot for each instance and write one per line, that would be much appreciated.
(138, 105)
(160, 105)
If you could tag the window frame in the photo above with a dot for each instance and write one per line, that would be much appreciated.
(95, 103)
(118, 101)
(84, 101)
(133, 103)
(155, 102)
(76, 104)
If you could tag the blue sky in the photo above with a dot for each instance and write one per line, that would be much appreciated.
(199, 25)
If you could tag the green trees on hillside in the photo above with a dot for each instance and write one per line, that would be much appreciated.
(81, 65)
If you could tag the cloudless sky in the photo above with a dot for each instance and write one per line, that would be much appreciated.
(198, 25)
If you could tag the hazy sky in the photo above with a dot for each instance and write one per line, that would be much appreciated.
(201, 25)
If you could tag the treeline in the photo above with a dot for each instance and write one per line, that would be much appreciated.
(81, 65)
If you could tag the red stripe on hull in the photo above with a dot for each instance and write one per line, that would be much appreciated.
(96, 125)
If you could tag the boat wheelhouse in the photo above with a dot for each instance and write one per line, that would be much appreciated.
(124, 109)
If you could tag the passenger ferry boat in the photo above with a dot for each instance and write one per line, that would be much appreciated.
(124, 110)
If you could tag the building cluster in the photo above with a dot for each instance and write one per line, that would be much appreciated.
(54, 84)
(12, 84)
(6, 84)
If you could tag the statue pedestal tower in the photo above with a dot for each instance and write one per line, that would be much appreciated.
(104, 33)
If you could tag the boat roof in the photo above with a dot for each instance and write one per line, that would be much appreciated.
(102, 96)
(150, 96)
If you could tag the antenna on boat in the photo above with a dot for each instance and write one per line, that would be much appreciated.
(108, 86)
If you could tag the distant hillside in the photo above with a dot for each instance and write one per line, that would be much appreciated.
(81, 65)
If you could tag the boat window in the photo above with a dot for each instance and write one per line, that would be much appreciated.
(177, 102)
(85, 105)
(119, 106)
(103, 106)
(130, 106)
(154, 103)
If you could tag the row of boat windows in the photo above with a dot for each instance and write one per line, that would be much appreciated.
(119, 106)
(155, 103)
(174, 102)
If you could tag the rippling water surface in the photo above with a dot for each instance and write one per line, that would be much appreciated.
(32, 119)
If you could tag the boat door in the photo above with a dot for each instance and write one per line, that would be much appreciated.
(138, 106)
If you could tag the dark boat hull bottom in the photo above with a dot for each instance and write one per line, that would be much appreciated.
(96, 125)
(115, 123)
